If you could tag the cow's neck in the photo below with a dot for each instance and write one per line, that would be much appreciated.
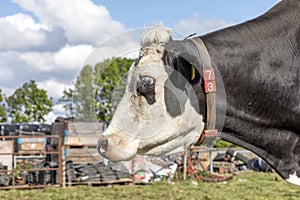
(245, 54)
(246, 39)
(239, 52)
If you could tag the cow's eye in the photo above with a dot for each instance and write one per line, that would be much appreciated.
(146, 88)
(145, 85)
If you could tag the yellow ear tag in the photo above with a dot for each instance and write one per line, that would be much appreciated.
(193, 73)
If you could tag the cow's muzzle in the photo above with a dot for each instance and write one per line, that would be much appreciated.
(114, 149)
(102, 146)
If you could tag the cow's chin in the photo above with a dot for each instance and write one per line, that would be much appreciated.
(179, 142)
(118, 153)
(126, 151)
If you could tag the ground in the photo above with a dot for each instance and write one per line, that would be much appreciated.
(247, 185)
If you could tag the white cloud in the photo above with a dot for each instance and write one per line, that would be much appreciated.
(53, 71)
(58, 110)
(13, 69)
(72, 57)
(23, 22)
(19, 31)
(50, 117)
(6, 74)
(67, 58)
(40, 61)
(196, 24)
(82, 21)
(74, 22)
(54, 88)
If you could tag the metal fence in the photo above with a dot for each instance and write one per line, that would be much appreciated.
(31, 176)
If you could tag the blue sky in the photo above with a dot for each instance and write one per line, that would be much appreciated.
(48, 41)
(137, 13)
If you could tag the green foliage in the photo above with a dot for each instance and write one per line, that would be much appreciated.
(95, 88)
(67, 100)
(110, 81)
(29, 104)
(83, 95)
(21, 166)
(3, 112)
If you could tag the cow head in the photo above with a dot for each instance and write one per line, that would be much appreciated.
(159, 111)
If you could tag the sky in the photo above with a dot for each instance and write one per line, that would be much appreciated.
(49, 41)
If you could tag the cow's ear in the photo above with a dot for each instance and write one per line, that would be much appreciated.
(181, 61)
(187, 69)
(183, 72)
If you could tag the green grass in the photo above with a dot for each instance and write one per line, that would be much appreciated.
(246, 185)
(224, 144)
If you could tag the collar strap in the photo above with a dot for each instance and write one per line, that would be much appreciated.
(210, 133)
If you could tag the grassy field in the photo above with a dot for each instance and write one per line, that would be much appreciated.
(246, 185)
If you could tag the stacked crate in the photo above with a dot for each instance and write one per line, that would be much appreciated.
(80, 138)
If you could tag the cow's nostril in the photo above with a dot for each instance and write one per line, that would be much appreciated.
(102, 146)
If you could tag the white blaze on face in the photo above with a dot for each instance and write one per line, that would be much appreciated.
(143, 126)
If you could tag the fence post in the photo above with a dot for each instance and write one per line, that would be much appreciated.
(211, 166)
(185, 162)
(63, 166)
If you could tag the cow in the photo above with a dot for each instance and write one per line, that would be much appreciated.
(257, 92)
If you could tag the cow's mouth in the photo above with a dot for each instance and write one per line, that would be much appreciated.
(115, 150)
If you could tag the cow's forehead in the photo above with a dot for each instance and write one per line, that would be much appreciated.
(152, 53)
(150, 62)
(155, 70)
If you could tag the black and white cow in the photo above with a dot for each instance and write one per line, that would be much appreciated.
(258, 89)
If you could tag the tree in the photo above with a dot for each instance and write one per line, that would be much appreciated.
(109, 77)
(29, 104)
(84, 95)
(67, 101)
(3, 112)
(92, 94)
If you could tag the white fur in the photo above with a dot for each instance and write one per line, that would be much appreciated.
(156, 35)
(294, 179)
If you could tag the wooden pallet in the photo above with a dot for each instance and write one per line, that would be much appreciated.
(123, 181)
(83, 154)
(79, 132)
(27, 186)
(224, 167)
